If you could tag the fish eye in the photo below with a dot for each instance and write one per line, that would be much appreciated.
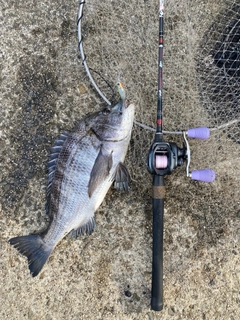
(106, 111)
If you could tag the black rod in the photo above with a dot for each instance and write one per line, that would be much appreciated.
(160, 68)
(157, 251)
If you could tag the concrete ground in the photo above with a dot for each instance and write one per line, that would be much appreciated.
(44, 91)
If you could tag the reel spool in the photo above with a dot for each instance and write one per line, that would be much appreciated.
(164, 157)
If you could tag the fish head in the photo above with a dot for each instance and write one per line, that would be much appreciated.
(113, 123)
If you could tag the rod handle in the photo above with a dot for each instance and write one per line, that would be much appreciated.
(157, 250)
(201, 133)
(157, 258)
(205, 175)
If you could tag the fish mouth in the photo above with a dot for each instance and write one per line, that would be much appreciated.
(119, 107)
(123, 108)
(122, 105)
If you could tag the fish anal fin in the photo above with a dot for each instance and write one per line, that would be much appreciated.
(100, 170)
(87, 228)
(122, 178)
(34, 249)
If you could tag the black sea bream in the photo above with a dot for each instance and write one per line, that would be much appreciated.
(83, 166)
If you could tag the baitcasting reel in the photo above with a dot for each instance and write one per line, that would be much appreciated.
(164, 157)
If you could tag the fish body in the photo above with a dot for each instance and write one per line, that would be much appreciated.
(82, 168)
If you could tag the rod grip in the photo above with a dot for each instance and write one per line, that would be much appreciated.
(157, 250)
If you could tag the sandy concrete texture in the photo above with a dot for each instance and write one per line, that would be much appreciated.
(44, 91)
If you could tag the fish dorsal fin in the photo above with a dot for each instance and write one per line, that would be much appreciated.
(85, 228)
(55, 151)
(122, 178)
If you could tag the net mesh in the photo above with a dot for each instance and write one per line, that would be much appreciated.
(202, 72)
(219, 69)
(201, 88)
(201, 69)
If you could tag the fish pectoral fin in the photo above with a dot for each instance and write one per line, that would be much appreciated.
(100, 170)
(87, 228)
(122, 178)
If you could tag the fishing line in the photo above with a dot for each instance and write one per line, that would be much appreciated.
(107, 83)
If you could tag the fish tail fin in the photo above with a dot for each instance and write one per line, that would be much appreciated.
(34, 249)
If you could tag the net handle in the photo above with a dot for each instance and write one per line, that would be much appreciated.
(80, 40)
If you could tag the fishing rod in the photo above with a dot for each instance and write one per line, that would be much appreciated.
(163, 158)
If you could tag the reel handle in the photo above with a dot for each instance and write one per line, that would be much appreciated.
(201, 133)
(205, 175)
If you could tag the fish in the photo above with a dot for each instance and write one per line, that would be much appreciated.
(83, 165)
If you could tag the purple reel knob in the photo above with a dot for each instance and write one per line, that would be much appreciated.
(205, 175)
(201, 133)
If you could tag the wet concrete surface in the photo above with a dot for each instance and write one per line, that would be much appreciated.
(44, 91)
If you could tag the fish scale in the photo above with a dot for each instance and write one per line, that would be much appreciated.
(83, 164)
(74, 205)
